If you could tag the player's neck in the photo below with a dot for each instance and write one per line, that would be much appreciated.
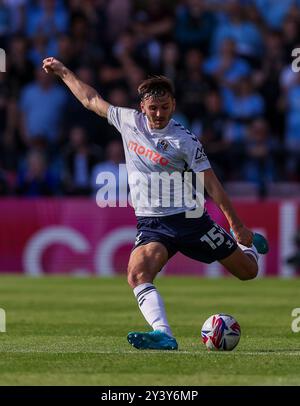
(152, 127)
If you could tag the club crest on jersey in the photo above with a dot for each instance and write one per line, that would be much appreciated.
(162, 145)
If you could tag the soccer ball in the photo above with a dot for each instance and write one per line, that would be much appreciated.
(221, 332)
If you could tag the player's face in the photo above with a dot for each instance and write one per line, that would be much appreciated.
(158, 110)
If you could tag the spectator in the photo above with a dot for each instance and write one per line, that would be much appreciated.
(40, 48)
(193, 86)
(170, 59)
(114, 155)
(210, 49)
(79, 158)
(42, 103)
(118, 14)
(21, 70)
(267, 80)
(244, 33)
(290, 36)
(5, 21)
(274, 11)
(17, 15)
(35, 179)
(126, 51)
(213, 129)
(292, 130)
(225, 66)
(194, 25)
(65, 51)
(260, 149)
(11, 149)
(49, 19)
(242, 105)
(77, 116)
(80, 33)
(155, 20)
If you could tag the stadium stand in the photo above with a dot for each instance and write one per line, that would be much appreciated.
(230, 61)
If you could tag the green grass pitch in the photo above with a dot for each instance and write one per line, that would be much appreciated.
(72, 331)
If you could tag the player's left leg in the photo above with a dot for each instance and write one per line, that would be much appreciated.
(242, 265)
(144, 264)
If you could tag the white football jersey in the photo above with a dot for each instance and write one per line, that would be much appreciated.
(153, 157)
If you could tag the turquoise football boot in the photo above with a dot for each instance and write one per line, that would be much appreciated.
(155, 340)
(259, 242)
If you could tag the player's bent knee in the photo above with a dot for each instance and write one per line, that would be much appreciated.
(250, 272)
(141, 271)
(241, 266)
(145, 263)
(138, 275)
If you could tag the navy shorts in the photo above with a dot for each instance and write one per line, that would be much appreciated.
(197, 238)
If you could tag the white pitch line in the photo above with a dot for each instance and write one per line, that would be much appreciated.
(149, 352)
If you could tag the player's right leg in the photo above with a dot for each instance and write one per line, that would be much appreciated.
(244, 264)
(241, 265)
(206, 241)
(144, 264)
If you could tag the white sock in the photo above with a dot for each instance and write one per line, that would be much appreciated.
(152, 307)
(249, 251)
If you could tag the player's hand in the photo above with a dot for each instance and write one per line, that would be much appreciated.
(52, 65)
(243, 235)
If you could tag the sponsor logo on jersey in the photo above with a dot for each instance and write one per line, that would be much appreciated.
(148, 153)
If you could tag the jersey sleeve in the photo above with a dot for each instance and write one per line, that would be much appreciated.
(120, 117)
(194, 155)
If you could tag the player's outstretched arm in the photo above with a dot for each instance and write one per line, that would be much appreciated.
(87, 95)
(219, 196)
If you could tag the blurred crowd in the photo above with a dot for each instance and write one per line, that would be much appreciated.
(230, 62)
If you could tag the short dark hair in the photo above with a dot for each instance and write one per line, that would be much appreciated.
(156, 86)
